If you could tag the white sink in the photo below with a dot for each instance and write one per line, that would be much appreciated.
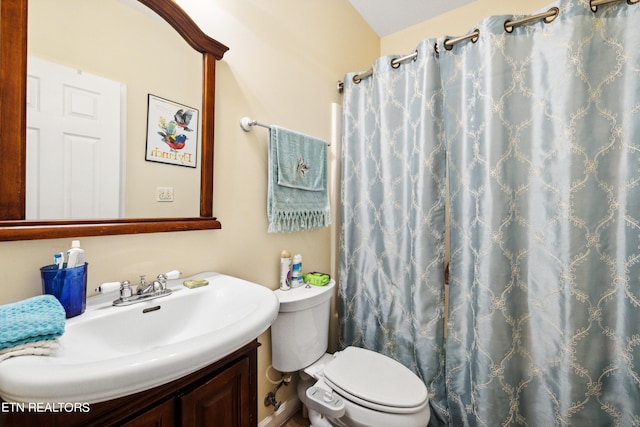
(110, 352)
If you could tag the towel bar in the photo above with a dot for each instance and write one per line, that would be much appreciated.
(247, 124)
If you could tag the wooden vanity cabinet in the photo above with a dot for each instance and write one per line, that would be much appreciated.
(223, 394)
(161, 415)
(219, 400)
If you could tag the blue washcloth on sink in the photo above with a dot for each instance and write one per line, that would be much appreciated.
(297, 194)
(33, 319)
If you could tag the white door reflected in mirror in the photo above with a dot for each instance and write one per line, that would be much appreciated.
(73, 147)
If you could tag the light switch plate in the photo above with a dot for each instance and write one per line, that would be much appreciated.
(164, 194)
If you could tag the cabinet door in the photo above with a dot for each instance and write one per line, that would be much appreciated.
(162, 415)
(222, 401)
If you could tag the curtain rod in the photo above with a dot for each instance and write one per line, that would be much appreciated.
(396, 62)
(449, 43)
(547, 17)
(595, 3)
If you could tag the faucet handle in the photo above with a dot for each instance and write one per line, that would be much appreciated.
(125, 289)
(108, 287)
(163, 277)
(173, 274)
(162, 281)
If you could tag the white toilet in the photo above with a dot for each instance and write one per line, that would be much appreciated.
(353, 387)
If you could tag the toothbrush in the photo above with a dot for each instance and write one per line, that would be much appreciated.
(58, 259)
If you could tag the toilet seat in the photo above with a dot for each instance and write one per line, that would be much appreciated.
(375, 381)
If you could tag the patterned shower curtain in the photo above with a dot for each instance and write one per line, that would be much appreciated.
(542, 137)
(543, 140)
(393, 200)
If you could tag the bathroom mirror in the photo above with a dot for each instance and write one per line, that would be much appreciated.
(13, 62)
(87, 109)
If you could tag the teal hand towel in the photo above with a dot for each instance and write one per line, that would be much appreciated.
(302, 160)
(30, 320)
(297, 194)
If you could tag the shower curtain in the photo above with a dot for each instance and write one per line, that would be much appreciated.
(393, 200)
(542, 136)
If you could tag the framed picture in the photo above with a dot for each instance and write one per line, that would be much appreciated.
(172, 132)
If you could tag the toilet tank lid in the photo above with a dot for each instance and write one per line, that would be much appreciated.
(375, 378)
(303, 297)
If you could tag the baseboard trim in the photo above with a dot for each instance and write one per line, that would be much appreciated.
(286, 411)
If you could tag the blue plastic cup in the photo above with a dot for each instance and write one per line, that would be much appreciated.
(68, 285)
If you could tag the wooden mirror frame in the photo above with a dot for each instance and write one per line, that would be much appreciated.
(13, 73)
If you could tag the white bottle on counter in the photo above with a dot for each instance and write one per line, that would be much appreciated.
(296, 271)
(75, 255)
(285, 271)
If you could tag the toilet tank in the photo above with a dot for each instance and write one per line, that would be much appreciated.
(300, 333)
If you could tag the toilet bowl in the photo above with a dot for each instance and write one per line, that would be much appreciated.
(353, 387)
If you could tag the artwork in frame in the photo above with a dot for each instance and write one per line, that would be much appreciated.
(172, 132)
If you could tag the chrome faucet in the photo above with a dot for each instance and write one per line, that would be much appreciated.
(158, 285)
(145, 291)
(143, 288)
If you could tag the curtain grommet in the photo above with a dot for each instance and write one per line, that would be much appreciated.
(546, 17)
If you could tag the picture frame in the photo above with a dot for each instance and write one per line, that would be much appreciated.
(172, 132)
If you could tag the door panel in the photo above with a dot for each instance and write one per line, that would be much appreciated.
(74, 143)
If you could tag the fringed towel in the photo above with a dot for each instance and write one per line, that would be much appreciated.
(298, 195)
(33, 319)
